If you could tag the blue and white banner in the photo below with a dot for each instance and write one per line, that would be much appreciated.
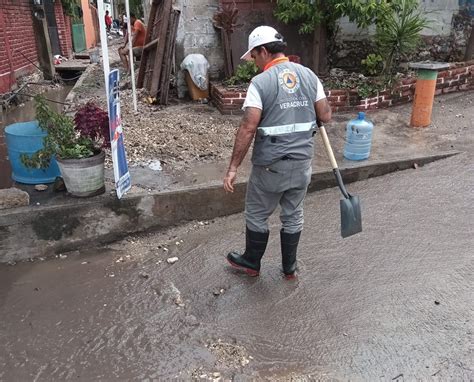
(119, 157)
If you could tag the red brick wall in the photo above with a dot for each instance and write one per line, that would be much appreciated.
(16, 35)
(459, 77)
(64, 30)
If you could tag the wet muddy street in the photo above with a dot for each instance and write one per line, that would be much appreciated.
(394, 303)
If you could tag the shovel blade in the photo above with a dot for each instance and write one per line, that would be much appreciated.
(351, 221)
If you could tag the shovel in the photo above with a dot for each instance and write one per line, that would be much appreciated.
(351, 221)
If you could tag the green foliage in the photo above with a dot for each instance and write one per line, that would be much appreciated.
(62, 140)
(398, 22)
(303, 12)
(369, 89)
(398, 32)
(310, 13)
(373, 64)
(366, 87)
(73, 9)
(243, 74)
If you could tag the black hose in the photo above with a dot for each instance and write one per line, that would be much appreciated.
(37, 67)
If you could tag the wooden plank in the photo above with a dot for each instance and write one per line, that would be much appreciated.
(151, 44)
(155, 81)
(152, 51)
(148, 38)
(169, 56)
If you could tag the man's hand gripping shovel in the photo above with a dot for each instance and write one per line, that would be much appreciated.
(351, 221)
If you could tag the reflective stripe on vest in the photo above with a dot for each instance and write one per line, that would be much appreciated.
(287, 129)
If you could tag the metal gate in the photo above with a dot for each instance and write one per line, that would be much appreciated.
(52, 26)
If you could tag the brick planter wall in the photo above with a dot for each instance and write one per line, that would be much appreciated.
(459, 77)
(228, 100)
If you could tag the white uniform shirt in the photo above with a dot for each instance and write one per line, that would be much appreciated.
(253, 97)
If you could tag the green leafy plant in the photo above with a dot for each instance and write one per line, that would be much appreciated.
(373, 64)
(398, 22)
(65, 139)
(365, 86)
(72, 9)
(398, 32)
(243, 74)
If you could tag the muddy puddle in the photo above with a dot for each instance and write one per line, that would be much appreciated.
(23, 113)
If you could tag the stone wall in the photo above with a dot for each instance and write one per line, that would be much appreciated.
(459, 77)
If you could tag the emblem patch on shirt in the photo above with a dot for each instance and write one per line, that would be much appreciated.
(289, 81)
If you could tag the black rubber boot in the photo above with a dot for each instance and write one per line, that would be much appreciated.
(249, 261)
(289, 245)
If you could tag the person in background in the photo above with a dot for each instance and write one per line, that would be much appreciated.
(108, 21)
(137, 41)
(281, 110)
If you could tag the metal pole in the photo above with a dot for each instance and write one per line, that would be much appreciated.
(103, 44)
(130, 52)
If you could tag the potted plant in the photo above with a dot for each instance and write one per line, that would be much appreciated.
(77, 144)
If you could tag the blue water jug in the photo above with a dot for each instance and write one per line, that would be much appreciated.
(358, 138)
(27, 137)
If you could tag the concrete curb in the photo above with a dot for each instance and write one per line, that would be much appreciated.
(72, 94)
(30, 232)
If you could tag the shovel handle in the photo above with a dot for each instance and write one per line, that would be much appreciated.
(332, 159)
(328, 147)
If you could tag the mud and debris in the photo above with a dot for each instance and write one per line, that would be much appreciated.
(177, 135)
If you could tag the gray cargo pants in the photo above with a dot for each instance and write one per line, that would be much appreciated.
(284, 182)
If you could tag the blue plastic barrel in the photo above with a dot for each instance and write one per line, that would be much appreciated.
(27, 138)
(358, 138)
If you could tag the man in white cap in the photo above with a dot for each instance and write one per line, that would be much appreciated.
(282, 106)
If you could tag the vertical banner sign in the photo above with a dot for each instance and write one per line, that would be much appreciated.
(103, 42)
(119, 157)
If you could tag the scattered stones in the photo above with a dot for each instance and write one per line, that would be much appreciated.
(144, 275)
(229, 355)
(59, 185)
(218, 292)
(41, 187)
(179, 301)
(172, 260)
(13, 197)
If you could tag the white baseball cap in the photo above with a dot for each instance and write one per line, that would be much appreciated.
(260, 36)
